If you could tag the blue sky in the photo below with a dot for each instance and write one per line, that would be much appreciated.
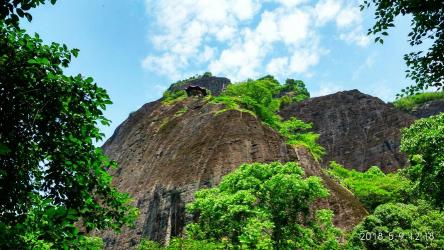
(136, 48)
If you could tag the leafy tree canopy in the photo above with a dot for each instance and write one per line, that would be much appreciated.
(52, 177)
(400, 226)
(293, 91)
(264, 206)
(426, 68)
(11, 10)
(424, 144)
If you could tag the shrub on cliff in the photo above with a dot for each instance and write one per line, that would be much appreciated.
(259, 98)
(408, 103)
(298, 132)
(372, 187)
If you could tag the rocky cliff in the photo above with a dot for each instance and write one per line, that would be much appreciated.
(357, 130)
(167, 152)
(428, 109)
(215, 84)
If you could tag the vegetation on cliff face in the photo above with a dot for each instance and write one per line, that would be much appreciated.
(373, 187)
(264, 206)
(408, 103)
(423, 142)
(52, 177)
(181, 244)
(420, 224)
(170, 97)
(261, 98)
(293, 91)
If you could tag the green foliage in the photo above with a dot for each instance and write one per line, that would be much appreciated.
(46, 226)
(409, 103)
(181, 244)
(52, 177)
(91, 243)
(170, 97)
(293, 91)
(372, 187)
(11, 10)
(263, 206)
(149, 245)
(400, 226)
(298, 132)
(181, 112)
(259, 98)
(426, 68)
(423, 142)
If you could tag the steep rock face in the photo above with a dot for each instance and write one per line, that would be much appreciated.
(215, 84)
(166, 153)
(428, 109)
(357, 130)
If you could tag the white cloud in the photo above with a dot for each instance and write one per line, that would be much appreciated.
(355, 36)
(326, 10)
(349, 16)
(165, 63)
(240, 61)
(290, 3)
(207, 54)
(294, 26)
(303, 59)
(277, 66)
(243, 39)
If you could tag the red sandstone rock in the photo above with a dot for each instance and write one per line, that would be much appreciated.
(165, 155)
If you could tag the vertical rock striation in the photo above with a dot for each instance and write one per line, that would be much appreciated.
(165, 155)
(357, 130)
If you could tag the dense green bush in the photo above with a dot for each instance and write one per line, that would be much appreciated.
(408, 103)
(293, 91)
(424, 144)
(298, 132)
(264, 206)
(400, 226)
(182, 244)
(372, 187)
(256, 96)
